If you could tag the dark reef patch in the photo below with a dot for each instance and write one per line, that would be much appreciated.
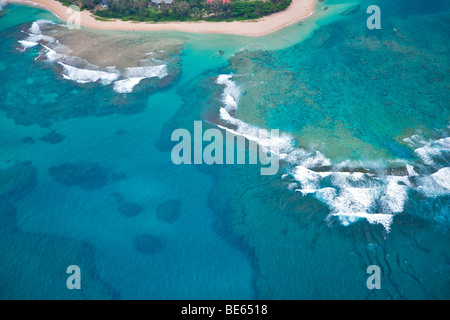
(130, 209)
(148, 244)
(168, 211)
(17, 181)
(120, 132)
(53, 138)
(29, 140)
(88, 175)
(48, 256)
(118, 196)
(8, 220)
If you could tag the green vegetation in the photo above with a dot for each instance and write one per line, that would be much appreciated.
(67, 3)
(102, 19)
(182, 10)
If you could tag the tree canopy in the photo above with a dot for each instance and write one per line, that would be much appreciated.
(181, 10)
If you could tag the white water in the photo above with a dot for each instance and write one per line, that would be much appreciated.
(349, 195)
(80, 71)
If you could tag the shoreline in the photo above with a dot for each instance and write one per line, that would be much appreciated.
(298, 10)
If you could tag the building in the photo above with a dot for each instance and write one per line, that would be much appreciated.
(223, 1)
(158, 2)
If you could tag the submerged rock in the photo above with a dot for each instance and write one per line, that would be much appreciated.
(168, 211)
(17, 181)
(130, 209)
(148, 244)
(29, 140)
(8, 219)
(53, 138)
(88, 176)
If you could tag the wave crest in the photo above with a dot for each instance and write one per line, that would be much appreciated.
(350, 190)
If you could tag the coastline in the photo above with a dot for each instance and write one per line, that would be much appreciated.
(298, 10)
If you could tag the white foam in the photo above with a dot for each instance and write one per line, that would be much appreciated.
(347, 179)
(146, 72)
(353, 201)
(42, 22)
(442, 178)
(2, 5)
(351, 196)
(278, 145)
(432, 150)
(86, 75)
(292, 186)
(306, 191)
(231, 92)
(350, 203)
(308, 179)
(432, 153)
(317, 159)
(134, 76)
(35, 36)
(36, 26)
(51, 54)
(354, 195)
(283, 145)
(411, 171)
(395, 194)
(426, 153)
(326, 195)
(27, 44)
(41, 38)
(415, 140)
(374, 218)
(126, 85)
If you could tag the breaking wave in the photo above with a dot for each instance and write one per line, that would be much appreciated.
(352, 191)
(86, 75)
(81, 71)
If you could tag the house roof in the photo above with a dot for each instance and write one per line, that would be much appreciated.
(159, 1)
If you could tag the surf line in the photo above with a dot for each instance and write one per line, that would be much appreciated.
(213, 153)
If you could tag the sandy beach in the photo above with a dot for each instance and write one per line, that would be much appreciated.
(298, 10)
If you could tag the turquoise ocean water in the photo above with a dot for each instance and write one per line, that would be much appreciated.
(86, 176)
